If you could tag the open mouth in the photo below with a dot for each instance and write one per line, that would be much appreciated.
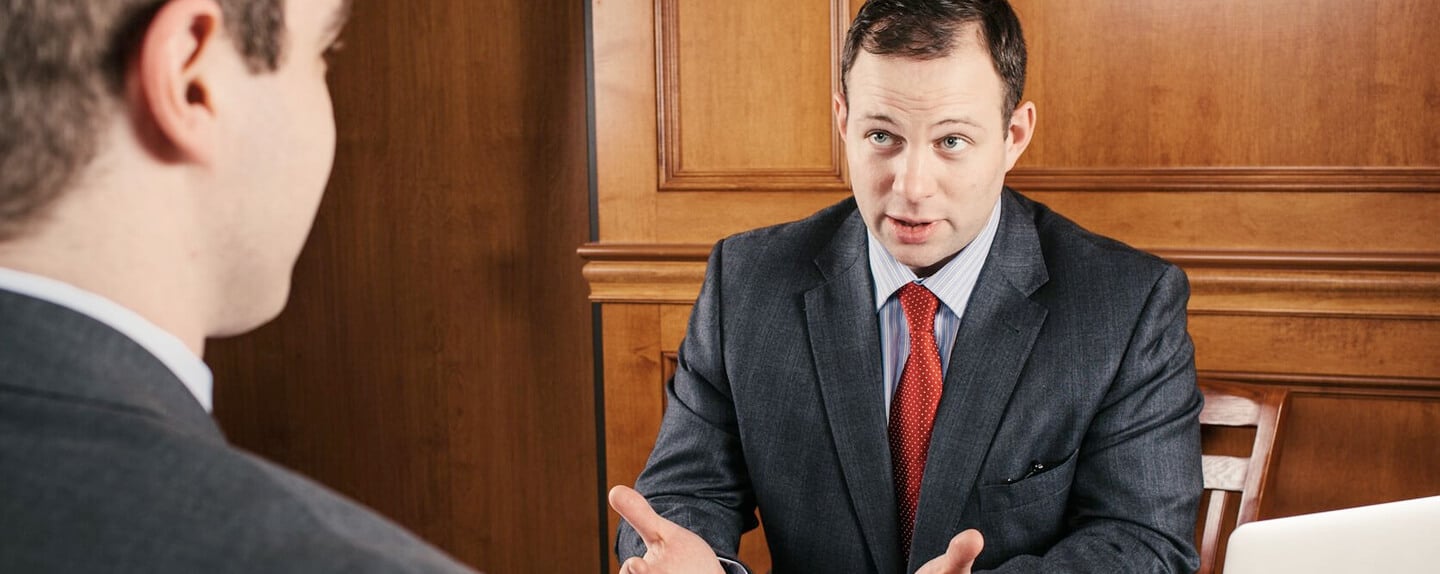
(911, 231)
(911, 224)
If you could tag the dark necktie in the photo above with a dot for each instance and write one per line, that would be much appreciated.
(912, 410)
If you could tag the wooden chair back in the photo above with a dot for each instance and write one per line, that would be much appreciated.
(1235, 482)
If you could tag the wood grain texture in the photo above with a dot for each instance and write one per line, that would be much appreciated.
(626, 150)
(634, 367)
(435, 359)
(1236, 283)
(733, 115)
(1317, 346)
(1351, 450)
(1156, 83)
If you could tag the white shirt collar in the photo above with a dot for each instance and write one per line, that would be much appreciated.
(166, 347)
(952, 284)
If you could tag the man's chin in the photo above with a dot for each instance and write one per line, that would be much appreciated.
(244, 315)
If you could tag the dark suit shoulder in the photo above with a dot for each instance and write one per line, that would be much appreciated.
(788, 247)
(1072, 251)
(90, 488)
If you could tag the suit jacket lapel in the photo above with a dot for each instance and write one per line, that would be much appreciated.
(994, 341)
(845, 340)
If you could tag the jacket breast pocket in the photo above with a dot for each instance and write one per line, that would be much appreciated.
(1050, 483)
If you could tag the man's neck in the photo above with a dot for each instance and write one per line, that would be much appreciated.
(135, 262)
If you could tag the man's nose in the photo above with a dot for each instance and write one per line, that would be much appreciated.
(915, 181)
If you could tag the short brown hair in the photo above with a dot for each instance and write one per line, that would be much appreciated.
(62, 70)
(926, 29)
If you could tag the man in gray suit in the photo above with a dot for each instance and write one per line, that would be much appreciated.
(939, 374)
(160, 165)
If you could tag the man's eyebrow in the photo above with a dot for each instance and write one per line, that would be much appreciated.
(338, 20)
(965, 120)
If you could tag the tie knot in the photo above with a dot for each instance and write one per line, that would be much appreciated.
(919, 304)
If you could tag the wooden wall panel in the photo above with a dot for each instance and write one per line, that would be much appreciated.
(1306, 345)
(733, 114)
(435, 361)
(1343, 451)
(1158, 83)
(633, 364)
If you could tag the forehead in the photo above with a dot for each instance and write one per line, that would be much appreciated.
(965, 77)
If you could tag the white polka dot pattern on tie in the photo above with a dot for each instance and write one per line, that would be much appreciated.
(912, 412)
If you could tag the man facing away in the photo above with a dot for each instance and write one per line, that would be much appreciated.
(160, 165)
(939, 374)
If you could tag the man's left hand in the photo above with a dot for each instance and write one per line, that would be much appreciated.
(959, 557)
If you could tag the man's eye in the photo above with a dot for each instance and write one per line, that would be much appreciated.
(952, 143)
(880, 138)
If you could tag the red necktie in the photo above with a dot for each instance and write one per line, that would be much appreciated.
(912, 410)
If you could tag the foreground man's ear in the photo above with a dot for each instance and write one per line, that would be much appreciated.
(172, 78)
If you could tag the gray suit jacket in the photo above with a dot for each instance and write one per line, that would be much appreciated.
(108, 464)
(1073, 352)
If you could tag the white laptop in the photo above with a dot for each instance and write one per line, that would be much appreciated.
(1392, 538)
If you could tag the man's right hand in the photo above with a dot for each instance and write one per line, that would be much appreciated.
(668, 546)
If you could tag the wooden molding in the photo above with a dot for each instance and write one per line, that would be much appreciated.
(1347, 384)
(1364, 285)
(1312, 261)
(673, 252)
(675, 176)
(1228, 179)
(1040, 179)
(1188, 258)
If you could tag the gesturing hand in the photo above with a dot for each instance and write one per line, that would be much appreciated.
(668, 546)
(959, 557)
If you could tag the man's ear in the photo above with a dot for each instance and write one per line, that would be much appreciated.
(842, 113)
(173, 75)
(1022, 129)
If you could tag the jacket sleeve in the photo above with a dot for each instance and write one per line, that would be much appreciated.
(1138, 484)
(696, 476)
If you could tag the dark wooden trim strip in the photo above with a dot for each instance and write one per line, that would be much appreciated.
(1325, 381)
(1223, 179)
(1334, 261)
(674, 252)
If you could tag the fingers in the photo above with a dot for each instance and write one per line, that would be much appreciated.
(634, 509)
(965, 547)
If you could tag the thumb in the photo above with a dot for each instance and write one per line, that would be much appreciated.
(633, 507)
(959, 556)
(964, 548)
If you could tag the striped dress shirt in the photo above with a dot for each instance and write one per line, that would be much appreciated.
(952, 284)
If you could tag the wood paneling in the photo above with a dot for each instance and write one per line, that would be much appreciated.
(735, 116)
(435, 360)
(1351, 450)
(633, 363)
(1158, 83)
(1355, 286)
(1285, 153)
(1306, 345)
